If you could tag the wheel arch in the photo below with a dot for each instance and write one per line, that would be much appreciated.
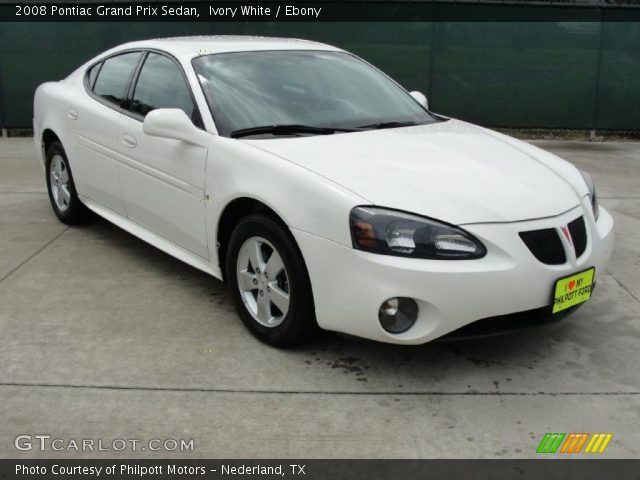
(234, 211)
(48, 137)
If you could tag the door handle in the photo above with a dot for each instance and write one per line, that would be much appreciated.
(129, 141)
(72, 113)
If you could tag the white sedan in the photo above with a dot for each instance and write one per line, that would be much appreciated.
(320, 190)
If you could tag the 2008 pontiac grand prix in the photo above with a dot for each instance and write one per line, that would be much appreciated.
(320, 190)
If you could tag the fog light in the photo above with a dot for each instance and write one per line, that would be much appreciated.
(398, 314)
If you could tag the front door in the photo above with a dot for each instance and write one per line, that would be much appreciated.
(162, 181)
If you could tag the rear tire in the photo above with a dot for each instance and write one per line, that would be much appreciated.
(62, 190)
(269, 282)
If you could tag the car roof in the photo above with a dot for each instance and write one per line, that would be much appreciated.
(189, 47)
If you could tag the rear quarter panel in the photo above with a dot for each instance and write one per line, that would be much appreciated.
(49, 105)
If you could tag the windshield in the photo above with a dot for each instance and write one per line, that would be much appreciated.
(330, 90)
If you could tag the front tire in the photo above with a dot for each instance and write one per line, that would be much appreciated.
(269, 282)
(62, 190)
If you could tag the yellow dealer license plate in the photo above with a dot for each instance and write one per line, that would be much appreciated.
(573, 290)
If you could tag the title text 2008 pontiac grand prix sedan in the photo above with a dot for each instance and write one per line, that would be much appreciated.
(319, 189)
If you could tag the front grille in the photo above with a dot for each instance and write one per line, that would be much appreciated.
(578, 235)
(545, 245)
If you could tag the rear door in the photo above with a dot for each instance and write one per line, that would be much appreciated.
(94, 119)
(162, 180)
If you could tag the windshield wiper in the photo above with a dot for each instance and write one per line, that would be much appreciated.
(287, 130)
(377, 126)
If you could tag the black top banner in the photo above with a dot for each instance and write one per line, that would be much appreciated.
(321, 11)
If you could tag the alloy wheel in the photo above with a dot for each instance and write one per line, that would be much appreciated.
(263, 281)
(59, 182)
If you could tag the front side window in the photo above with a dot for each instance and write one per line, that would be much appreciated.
(162, 85)
(324, 89)
(113, 77)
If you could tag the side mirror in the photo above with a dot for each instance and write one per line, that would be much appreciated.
(420, 98)
(174, 123)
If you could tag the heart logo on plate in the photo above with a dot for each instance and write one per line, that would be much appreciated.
(572, 284)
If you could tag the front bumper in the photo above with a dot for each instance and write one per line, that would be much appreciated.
(350, 285)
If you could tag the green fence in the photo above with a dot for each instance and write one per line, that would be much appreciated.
(579, 75)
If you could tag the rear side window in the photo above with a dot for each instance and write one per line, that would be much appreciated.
(92, 74)
(162, 85)
(113, 77)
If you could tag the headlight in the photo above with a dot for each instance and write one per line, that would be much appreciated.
(389, 232)
(592, 193)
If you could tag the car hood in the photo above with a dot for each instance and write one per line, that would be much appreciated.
(450, 170)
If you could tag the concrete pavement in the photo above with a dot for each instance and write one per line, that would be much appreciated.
(102, 336)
